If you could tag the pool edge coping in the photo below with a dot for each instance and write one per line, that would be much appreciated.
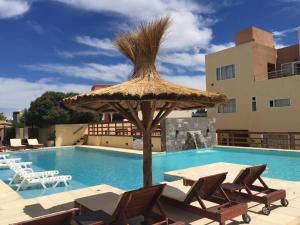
(258, 149)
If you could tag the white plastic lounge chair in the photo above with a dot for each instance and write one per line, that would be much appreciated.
(23, 173)
(56, 180)
(4, 163)
(10, 160)
(4, 156)
(33, 143)
(16, 144)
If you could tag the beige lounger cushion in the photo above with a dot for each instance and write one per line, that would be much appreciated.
(33, 142)
(16, 142)
(105, 201)
(176, 190)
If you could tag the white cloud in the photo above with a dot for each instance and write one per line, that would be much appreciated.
(73, 54)
(162, 68)
(17, 93)
(189, 28)
(13, 8)
(278, 44)
(283, 33)
(216, 48)
(141, 9)
(188, 31)
(189, 36)
(279, 35)
(194, 61)
(197, 82)
(91, 71)
(36, 27)
(104, 44)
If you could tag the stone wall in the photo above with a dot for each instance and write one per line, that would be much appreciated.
(174, 132)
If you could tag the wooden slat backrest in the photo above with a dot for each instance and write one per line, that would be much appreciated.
(143, 200)
(59, 218)
(250, 175)
(205, 187)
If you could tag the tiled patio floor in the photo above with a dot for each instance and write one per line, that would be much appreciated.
(14, 209)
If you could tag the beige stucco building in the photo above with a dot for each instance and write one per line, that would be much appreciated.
(262, 83)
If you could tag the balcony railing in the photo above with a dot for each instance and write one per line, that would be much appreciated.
(117, 129)
(292, 71)
(283, 140)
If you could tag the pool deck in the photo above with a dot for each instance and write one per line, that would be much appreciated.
(14, 208)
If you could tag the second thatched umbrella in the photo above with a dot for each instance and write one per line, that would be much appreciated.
(145, 91)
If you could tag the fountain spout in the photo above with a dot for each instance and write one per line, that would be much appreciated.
(198, 135)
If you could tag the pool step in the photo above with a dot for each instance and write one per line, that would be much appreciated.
(81, 141)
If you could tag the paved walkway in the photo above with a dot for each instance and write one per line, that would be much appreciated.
(13, 208)
(279, 215)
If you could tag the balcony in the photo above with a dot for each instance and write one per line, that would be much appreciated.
(287, 69)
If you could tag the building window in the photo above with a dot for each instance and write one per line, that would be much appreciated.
(229, 107)
(280, 102)
(297, 68)
(226, 72)
(253, 104)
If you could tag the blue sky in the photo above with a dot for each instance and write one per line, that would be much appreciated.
(67, 45)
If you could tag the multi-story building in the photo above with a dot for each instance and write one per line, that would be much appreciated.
(261, 82)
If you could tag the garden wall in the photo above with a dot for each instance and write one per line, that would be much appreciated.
(120, 142)
(174, 132)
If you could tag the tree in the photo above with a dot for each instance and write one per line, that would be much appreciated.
(2, 116)
(48, 110)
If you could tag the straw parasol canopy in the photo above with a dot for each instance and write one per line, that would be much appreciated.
(4, 124)
(146, 91)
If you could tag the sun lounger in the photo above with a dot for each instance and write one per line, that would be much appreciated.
(16, 144)
(29, 181)
(4, 156)
(129, 205)
(205, 189)
(22, 173)
(4, 163)
(244, 189)
(58, 218)
(24, 165)
(33, 143)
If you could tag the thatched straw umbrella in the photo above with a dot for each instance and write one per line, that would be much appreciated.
(145, 91)
(4, 124)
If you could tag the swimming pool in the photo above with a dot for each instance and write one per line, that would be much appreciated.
(123, 170)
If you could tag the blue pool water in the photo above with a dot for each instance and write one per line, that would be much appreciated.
(89, 167)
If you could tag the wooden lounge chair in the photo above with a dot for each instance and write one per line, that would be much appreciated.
(33, 143)
(58, 218)
(243, 189)
(131, 204)
(205, 189)
(16, 144)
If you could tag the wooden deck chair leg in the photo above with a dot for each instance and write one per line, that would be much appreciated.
(248, 190)
(263, 183)
(224, 194)
(200, 202)
(122, 220)
(161, 210)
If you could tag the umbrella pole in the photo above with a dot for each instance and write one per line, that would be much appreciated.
(147, 161)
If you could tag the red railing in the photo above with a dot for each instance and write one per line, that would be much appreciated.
(117, 129)
(283, 140)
